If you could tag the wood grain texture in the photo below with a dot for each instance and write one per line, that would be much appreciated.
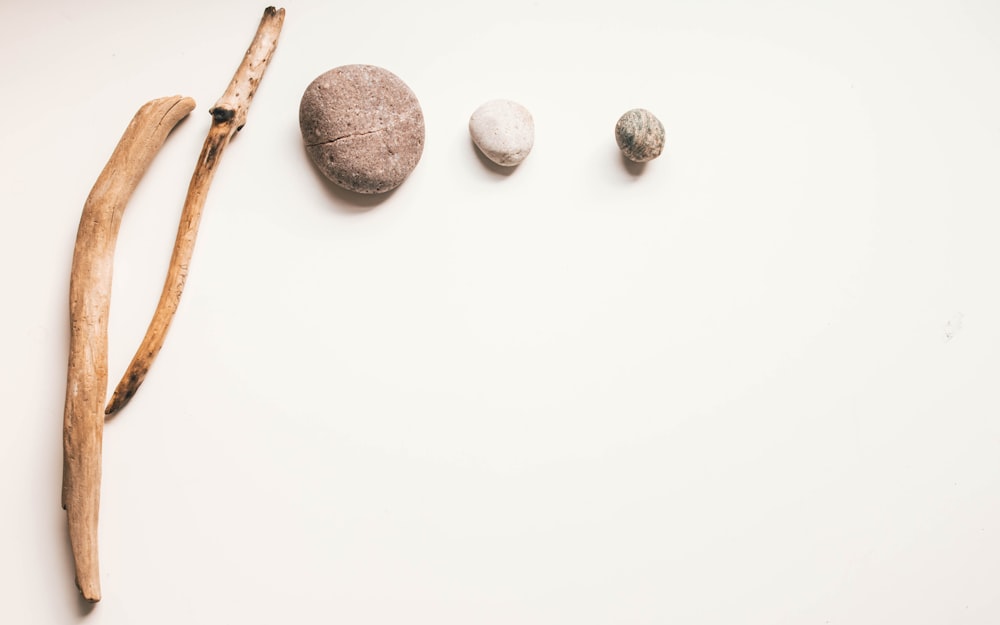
(228, 116)
(90, 297)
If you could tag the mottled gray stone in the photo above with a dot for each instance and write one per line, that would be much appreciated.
(639, 135)
(363, 127)
(503, 130)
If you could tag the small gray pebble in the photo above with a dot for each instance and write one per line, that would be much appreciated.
(503, 130)
(639, 135)
(363, 127)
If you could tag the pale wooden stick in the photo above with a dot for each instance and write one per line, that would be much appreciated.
(89, 301)
(228, 116)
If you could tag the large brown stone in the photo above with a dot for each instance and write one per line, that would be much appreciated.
(363, 127)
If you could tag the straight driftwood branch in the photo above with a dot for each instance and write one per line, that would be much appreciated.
(89, 301)
(228, 116)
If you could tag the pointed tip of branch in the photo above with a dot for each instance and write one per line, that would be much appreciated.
(118, 401)
(124, 392)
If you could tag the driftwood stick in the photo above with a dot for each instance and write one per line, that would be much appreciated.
(90, 297)
(228, 117)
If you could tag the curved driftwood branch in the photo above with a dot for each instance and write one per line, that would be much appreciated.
(228, 116)
(90, 297)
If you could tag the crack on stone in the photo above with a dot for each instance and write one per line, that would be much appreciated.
(347, 136)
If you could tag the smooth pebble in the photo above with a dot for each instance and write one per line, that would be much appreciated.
(363, 127)
(639, 135)
(504, 131)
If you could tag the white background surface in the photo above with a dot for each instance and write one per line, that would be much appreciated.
(753, 383)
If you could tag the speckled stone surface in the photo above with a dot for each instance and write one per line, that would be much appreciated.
(503, 130)
(639, 135)
(363, 127)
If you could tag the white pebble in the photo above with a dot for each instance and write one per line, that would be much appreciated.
(503, 130)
